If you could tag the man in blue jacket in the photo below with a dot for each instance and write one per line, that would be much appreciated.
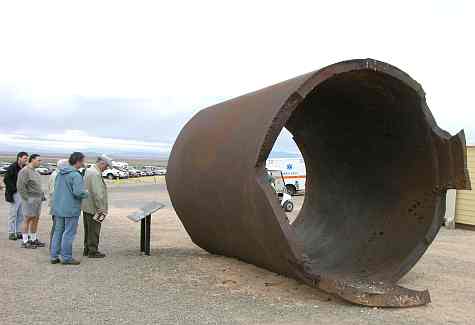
(69, 190)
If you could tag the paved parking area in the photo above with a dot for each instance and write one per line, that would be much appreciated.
(182, 284)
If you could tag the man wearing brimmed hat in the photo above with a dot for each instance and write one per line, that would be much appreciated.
(95, 207)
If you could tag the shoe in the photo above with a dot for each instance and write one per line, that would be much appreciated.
(19, 235)
(28, 245)
(71, 262)
(85, 252)
(55, 261)
(37, 243)
(12, 237)
(96, 255)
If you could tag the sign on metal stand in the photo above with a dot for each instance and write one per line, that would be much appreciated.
(144, 215)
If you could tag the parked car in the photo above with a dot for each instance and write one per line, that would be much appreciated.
(83, 170)
(147, 172)
(123, 173)
(160, 171)
(111, 173)
(3, 169)
(134, 172)
(154, 170)
(143, 173)
(44, 170)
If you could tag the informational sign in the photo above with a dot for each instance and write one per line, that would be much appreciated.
(146, 210)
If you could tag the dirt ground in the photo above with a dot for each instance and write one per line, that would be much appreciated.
(183, 284)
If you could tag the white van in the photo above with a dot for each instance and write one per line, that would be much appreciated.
(293, 170)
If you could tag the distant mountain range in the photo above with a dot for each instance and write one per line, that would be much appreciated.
(117, 154)
(123, 154)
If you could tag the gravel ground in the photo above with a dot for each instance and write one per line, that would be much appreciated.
(182, 284)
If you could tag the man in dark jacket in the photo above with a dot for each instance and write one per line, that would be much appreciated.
(15, 215)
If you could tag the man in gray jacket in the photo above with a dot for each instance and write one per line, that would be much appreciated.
(95, 207)
(32, 196)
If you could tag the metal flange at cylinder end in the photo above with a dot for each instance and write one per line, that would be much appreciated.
(377, 167)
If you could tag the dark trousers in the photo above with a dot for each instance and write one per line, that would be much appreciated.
(92, 231)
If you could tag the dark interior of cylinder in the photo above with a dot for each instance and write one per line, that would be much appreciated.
(370, 173)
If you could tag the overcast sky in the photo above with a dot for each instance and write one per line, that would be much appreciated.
(122, 75)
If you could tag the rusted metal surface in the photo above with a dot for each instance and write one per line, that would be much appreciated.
(378, 168)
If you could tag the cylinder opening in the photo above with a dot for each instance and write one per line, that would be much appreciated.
(369, 175)
(286, 168)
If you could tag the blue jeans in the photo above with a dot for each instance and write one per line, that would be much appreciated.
(63, 236)
(15, 216)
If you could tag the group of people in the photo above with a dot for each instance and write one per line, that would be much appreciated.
(70, 191)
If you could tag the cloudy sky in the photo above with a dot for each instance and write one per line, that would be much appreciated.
(122, 76)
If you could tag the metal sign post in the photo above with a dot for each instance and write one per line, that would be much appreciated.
(144, 215)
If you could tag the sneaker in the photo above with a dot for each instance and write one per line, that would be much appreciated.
(28, 245)
(71, 262)
(12, 237)
(96, 255)
(55, 261)
(38, 243)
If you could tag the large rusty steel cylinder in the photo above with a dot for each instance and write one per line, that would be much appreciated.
(378, 168)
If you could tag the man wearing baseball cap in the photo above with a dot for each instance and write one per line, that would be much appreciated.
(95, 207)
